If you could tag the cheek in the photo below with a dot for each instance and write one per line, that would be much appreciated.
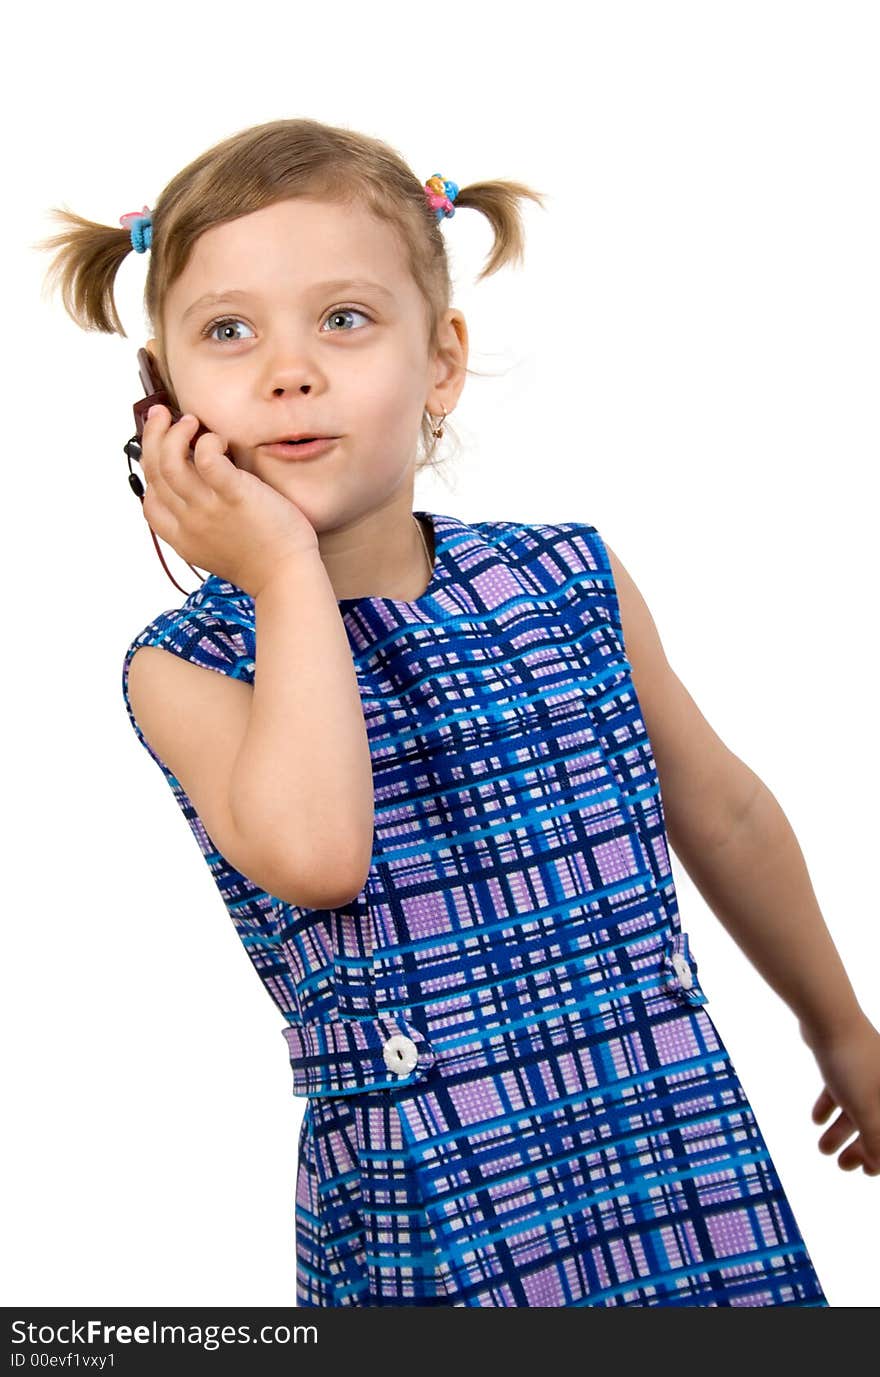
(389, 412)
(391, 388)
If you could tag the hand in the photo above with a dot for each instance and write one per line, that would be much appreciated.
(849, 1060)
(216, 516)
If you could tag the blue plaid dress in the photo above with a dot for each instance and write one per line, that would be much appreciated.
(515, 1094)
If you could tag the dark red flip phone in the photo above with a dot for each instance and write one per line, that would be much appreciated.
(157, 396)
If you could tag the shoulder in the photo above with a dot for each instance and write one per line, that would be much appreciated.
(641, 637)
(653, 677)
(210, 629)
(166, 684)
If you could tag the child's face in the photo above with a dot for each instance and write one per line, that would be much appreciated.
(290, 359)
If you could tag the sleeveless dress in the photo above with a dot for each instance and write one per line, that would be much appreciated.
(515, 1094)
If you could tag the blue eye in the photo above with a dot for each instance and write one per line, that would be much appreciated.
(346, 311)
(236, 320)
(225, 320)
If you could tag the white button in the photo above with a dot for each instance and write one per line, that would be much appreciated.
(400, 1053)
(683, 970)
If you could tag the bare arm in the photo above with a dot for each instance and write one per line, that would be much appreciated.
(733, 838)
(302, 783)
(758, 886)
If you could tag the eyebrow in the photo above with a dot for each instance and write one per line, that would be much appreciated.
(234, 293)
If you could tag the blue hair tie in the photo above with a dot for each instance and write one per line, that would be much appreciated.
(139, 223)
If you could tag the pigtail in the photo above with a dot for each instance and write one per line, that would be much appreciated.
(500, 201)
(85, 265)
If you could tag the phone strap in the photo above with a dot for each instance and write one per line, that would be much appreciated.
(133, 451)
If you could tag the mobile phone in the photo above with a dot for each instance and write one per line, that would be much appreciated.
(158, 396)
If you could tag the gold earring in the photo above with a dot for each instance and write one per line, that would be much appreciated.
(438, 433)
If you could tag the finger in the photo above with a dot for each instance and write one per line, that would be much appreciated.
(835, 1136)
(866, 1159)
(214, 466)
(868, 1141)
(823, 1106)
(176, 464)
(855, 1155)
(156, 429)
(180, 484)
(155, 424)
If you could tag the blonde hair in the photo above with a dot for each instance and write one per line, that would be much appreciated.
(257, 167)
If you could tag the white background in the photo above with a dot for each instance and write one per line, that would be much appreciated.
(688, 359)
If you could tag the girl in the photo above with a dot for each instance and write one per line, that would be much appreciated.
(423, 779)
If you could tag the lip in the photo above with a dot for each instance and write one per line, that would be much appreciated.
(299, 452)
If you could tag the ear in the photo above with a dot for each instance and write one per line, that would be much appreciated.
(450, 362)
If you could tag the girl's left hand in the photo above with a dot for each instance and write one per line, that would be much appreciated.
(849, 1060)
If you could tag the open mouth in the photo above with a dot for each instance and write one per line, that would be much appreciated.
(306, 448)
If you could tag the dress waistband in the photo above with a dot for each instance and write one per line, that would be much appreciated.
(340, 1055)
